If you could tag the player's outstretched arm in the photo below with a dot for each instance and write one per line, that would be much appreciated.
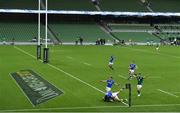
(145, 77)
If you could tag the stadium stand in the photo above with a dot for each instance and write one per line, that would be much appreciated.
(165, 5)
(136, 36)
(170, 27)
(69, 32)
(130, 27)
(166, 31)
(52, 4)
(18, 4)
(134, 32)
(71, 5)
(122, 5)
(19, 31)
(139, 6)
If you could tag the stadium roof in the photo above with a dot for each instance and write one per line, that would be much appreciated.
(103, 13)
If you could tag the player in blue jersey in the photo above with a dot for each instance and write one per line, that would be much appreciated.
(111, 62)
(110, 83)
(113, 96)
(132, 68)
(139, 83)
(110, 97)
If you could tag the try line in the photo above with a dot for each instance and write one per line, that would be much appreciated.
(91, 107)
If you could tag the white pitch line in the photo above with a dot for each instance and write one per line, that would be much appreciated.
(122, 77)
(87, 64)
(90, 107)
(24, 52)
(66, 108)
(168, 93)
(70, 75)
(75, 78)
(80, 80)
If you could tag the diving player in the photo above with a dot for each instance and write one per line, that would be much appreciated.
(139, 83)
(132, 68)
(110, 83)
(111, 97)
(111, 62)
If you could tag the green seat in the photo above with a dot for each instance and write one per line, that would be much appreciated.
(136, 37)
(69, 32)
(20, 32)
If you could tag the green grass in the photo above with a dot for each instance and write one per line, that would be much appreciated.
(163, 64)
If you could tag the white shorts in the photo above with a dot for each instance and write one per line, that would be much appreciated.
(131, 71)
(110, 63)
(108, 89)
(139, 87)
(115, 95)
